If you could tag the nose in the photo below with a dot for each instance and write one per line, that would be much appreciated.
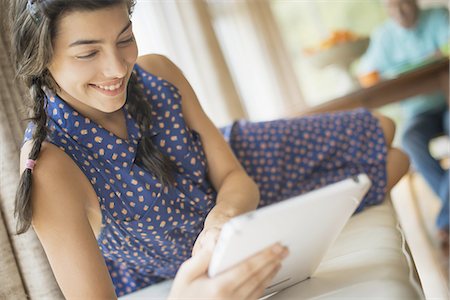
(115, 65)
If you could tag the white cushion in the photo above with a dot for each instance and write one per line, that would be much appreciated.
(367, 260)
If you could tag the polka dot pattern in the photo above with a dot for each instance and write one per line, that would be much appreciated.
(293, 156)
(148, 230)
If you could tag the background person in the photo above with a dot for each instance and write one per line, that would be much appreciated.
(410, 36)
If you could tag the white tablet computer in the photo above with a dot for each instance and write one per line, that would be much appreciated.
(307, 224)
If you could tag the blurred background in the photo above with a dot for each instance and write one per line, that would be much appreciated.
(269, 59)
(255, 59)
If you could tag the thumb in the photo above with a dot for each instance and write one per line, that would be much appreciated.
(197, 265)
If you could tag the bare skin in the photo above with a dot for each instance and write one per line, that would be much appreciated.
(397, 161)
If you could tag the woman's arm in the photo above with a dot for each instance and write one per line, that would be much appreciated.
(237, 192)
(247, 280)
(59, 196)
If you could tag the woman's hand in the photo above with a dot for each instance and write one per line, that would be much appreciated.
(207, 238)
(210, 233)
(214, 222)
(246, 280)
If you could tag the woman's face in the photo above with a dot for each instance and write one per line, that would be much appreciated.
(94, 55)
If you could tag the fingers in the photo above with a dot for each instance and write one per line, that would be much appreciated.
(255, 285)
(196, 266)
(259, 289)
(197, 244)
(254, 270)
(247, 280)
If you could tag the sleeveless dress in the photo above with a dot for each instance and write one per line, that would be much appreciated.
(148, 230)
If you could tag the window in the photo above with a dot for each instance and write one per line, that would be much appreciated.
(304, 24)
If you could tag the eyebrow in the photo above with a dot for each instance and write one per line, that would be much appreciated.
(89, 42)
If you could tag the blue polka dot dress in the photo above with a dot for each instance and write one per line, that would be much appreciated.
(293, 156)
(148, 230)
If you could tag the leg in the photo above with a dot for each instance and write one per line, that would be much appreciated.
(397, 161)
(443, 216)
(416, 138)
(397, 166)
(444, 187)
(291, 157)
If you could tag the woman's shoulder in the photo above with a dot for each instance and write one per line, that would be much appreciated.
(161, 66)
(55, 176)
(51, 157)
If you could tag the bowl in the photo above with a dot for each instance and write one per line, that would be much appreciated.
(342, 54)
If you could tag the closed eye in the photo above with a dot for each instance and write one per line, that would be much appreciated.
(90, 55)
(127, 41)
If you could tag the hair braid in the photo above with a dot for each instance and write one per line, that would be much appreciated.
(22, 209)
(147, 156)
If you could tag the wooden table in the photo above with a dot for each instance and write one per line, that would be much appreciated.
(425, 79)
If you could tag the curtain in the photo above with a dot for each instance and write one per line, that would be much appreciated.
(182, 30)
(256, 55)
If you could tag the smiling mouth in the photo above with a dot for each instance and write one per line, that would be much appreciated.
(112, 87)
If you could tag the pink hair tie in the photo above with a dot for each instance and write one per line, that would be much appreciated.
(30, 164)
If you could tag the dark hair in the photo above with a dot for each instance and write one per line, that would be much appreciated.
(33, 28)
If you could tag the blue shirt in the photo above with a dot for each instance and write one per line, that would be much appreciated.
(392, 47)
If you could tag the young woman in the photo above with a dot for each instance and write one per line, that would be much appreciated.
(124, 177)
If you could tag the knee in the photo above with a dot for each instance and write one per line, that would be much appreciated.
(397, 166)
(388, 127)
(400, 159)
